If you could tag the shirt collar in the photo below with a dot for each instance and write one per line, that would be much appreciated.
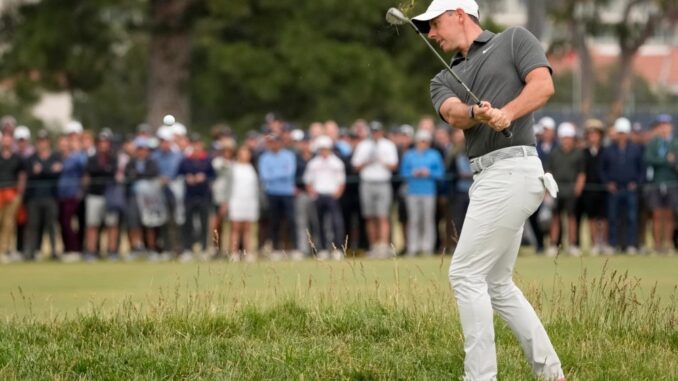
(483, 38)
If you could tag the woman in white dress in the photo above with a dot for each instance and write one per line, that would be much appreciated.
(244, 203)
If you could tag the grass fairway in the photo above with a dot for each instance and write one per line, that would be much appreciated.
(358, 320)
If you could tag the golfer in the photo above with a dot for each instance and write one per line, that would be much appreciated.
(509, 71)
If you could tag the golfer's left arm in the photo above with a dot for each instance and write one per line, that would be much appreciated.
(536, 92)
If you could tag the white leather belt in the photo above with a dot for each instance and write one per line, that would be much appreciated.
(480, 163)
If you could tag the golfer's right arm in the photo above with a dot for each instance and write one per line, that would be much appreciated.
(457, 114)
(451, 109)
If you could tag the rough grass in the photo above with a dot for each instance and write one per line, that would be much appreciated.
(602, 325)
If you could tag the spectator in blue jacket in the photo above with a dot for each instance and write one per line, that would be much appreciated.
(69, 191)
(622, 173)
(277, 171)
(422, 167)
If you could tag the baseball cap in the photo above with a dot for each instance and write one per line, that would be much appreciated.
(537, 129)
(42, 135)
(438, 7)
(622, 125)
(594, 124)
(179, 129)
(142, 142)
(547, 123)
(105, 134)
(323, 141)
(297, 135)
(73, 127)
(376, 126)
(422, 135)
(165, 133)
(407, 130)
(22, 132)
(567, 130)
(663, 118)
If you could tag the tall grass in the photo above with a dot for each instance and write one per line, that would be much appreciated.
(403, 330)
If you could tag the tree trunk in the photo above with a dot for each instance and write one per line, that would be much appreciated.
(623, 85)
(169, 61)
(587, 76)
(536, 17)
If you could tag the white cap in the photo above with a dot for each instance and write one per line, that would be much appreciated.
(73, 127)
(323, 141)
(538, 129)
(622, 125)
(165, 133)
(297, 135)
(547, 123)
(422, 135)
(168, 120)
(567, 130)
(179, 129)
(438, 7)
(22, 132)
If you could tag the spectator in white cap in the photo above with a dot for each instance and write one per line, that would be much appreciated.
(167, 157)
(622, 172)
(421, 168)
(325, 179)
(144, 208)
(546, 140)
(69, 191)
(566, 164)
(22, 137)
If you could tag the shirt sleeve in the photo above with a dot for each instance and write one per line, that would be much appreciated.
(341, 171)
(391, 154)
(440, 92)
(528, 54)
(358, 156)
(308, 173)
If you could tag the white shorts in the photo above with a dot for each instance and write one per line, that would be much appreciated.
(96, 213)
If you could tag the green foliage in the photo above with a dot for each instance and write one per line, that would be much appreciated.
(309, 61)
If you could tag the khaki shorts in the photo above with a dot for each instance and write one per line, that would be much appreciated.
(376, 199)
(96, 213)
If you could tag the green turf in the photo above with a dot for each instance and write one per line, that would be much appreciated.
(48, 289)
(357, 320)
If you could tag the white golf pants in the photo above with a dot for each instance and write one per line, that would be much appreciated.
(502, 197)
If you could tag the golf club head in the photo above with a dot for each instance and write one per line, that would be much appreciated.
(395, 17)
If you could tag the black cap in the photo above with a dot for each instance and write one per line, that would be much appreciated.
(105, 134)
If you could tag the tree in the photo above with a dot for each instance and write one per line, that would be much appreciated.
(639, 21)
(169, 74)
(63, 45)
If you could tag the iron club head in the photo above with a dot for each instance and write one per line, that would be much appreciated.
(395, 17)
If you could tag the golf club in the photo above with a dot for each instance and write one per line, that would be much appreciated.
(395, 17)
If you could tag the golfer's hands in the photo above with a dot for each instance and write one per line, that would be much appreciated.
(497, 119)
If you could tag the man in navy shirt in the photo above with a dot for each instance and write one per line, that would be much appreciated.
(622, 173)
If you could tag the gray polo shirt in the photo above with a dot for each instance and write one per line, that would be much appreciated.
(495, 70)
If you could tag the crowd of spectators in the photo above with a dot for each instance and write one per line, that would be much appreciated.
(289, 193)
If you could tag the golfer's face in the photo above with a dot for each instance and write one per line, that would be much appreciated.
(446, 30)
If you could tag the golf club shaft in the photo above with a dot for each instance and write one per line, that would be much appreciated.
(475, 99)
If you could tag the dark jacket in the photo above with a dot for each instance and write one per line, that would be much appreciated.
(622, 166)
(42, 176)
(193, 165)
(135, 170)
